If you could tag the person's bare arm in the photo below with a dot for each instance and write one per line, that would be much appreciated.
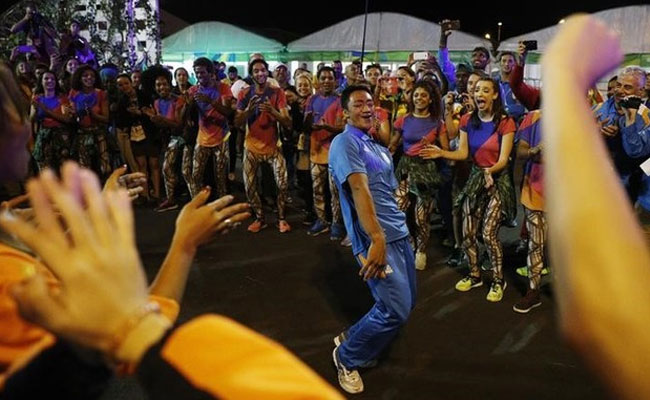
(524, 151)
(394, 140)
(601, 258)
(196, 224)
(383, 133)
(376, 260)
(20, 25)
(450, 122)
(102, 116)
(433, 152)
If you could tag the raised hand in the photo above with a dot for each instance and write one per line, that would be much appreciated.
(134, 182)
(102, 282)
(198, 222)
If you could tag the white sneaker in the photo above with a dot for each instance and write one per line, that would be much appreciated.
(346, 242)
(420, 261)
(350, 381)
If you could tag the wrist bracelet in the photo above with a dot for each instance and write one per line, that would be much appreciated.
(120, 335)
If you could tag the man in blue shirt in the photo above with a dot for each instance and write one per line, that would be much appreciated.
(622, 128)
(362, 170)
(634, 127)
(513, 107)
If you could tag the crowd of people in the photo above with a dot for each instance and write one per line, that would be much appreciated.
(363, 148)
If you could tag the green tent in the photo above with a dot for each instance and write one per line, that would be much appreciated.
(217, 41)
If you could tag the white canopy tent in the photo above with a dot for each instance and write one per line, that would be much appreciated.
(633, 24)
(385, 32)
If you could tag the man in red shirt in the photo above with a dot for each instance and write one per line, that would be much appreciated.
(259, 109)
(213, 101)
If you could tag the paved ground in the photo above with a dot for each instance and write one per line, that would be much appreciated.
(302, 291)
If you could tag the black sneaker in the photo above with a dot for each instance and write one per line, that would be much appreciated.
(528, 302)
(522, 246)
(456, 257)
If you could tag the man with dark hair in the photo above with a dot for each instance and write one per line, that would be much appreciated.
(323, 117)
(338, 72)
(513, 107)
(611, 86)
(462, 75)
(74, 45)
(213, 100)
(373, 72)
(363, 172)
(233, 75)
(480, 58)
(259, 108)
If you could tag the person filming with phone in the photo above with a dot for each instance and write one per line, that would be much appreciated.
(634, 126)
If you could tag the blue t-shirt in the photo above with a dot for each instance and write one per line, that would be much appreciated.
(353, 151)
(485, 141)
(513, 107)
(414, 129)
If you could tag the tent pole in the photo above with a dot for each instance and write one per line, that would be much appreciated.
(363, 43)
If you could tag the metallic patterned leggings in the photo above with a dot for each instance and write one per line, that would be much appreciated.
(201, 157)
(170, 174)
(279, 166)
(491, 217)
(321, 177)
(423, 210)
(93, 141)
(536, 225)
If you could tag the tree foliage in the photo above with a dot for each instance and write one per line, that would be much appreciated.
(109, 41)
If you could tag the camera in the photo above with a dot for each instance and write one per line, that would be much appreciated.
(631, 102)
(530, 44)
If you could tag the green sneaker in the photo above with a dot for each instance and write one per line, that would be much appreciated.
(496, 290)
(523, 271)
(468, 282)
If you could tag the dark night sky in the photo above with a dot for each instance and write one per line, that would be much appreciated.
(304, 17)
(290, 19)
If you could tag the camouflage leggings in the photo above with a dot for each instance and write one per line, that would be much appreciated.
(423, 210)
(201, 157)
(536, 225)
(52, 147)
(279, 166)
(175, 148)
(491, 215)
(320, 177)
(90, 142)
